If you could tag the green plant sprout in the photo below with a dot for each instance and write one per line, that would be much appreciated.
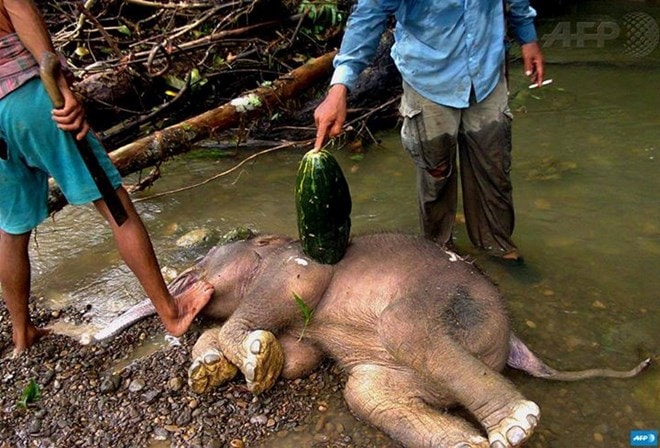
(306, 312)
(31, 393)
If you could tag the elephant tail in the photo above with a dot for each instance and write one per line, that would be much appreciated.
(125, 320)
(522, 358)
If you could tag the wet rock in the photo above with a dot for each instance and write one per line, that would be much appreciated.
(194, 238)
(110, 384)
(168, 273)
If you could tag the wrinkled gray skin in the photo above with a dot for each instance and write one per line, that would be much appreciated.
(417, 329)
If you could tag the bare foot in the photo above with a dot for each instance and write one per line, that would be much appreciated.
(190, 302)
(24, 341)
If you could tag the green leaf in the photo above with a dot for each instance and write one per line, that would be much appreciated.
(124, 30)
(31, 393)
(305, 310)
(175, 82)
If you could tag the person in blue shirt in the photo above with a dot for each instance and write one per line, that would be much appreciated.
(451, 56)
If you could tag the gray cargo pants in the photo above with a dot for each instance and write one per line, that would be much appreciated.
(481, 134)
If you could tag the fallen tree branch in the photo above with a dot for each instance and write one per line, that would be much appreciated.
(142, 56)
(177, 139)
(171, 5)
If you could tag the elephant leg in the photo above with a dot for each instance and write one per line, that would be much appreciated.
(209, 368)
(506, 415)
(301, 357)
(269, 307)
(218, 353)
(390, 399)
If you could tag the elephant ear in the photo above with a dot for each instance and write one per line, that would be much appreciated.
(183, 281)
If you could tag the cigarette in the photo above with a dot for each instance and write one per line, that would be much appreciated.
(544, 83)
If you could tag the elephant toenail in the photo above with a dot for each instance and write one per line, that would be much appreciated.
(249, 371)
(515, 435)
(255, 347)
(497, 444)
(211, 357)
(194, 366)
(533, 420)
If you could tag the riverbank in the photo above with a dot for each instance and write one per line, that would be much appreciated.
(85, 403)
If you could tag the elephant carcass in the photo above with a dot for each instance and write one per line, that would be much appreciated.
(416, 328)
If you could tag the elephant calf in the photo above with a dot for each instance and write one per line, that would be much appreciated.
(416, 328)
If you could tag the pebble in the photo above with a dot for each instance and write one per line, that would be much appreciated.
(150, 396)
(35, 426)
(259, 420)
(136, 385)
(175, 383)
(109, 384)
(236, 443)
(184, 418)
(160, 434)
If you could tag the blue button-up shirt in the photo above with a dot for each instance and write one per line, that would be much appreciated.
(443, 48)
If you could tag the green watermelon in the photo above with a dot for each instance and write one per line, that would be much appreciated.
(323, 206)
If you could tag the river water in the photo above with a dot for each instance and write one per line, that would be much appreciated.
(586, 191)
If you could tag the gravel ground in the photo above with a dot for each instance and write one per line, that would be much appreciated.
(149, 404)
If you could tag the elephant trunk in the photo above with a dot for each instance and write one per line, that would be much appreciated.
(128, 318)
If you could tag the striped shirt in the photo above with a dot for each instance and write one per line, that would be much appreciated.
(17, 65)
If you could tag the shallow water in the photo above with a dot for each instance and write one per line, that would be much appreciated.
(586, 190)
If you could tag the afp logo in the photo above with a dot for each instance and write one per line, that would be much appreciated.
(644, 437)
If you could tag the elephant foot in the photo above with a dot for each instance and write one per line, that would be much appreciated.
(264, 359)
(514, 430)
(210, 370)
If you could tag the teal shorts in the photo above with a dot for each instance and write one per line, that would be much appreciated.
(37, 149)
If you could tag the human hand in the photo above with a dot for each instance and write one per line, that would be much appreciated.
(71, 117)
(330, 115)
(533, 62)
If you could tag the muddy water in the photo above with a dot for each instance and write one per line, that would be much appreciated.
(586, 190)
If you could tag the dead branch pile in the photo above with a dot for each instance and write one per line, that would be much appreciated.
(142, 65)
(147, 69)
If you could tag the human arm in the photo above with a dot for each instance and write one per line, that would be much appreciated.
(521, 20)
(364, 28)
(330, 115)
(33, 33)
